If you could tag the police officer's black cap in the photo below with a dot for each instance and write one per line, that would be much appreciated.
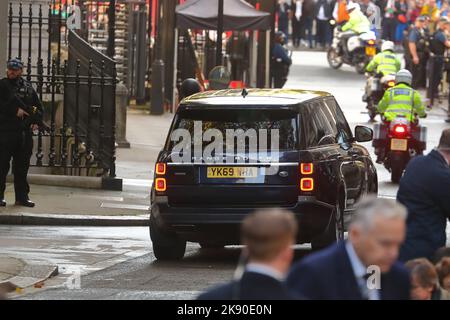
(280, 34)
(15, 64)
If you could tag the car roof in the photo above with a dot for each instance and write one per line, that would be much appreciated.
(266, 97)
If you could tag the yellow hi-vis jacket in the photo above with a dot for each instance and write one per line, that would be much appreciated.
(385, 62)
(401, 100)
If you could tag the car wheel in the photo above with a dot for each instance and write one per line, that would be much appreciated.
(166, 246)
(335, 231)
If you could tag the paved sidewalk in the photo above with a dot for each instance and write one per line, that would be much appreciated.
(73, 206)
(17, 274)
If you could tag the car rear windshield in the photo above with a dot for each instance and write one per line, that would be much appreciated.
(282, 123)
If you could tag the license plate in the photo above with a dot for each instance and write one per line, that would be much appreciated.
(232, 172)
(399, 144)
(370, 51)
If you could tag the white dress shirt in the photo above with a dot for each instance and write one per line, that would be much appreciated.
(360, 270)
(321, 13)
(298, 9)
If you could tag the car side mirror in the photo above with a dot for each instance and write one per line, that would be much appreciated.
(363, 134)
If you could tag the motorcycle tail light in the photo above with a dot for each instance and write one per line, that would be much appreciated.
(391, 83)
(400, 130)
(371, 42)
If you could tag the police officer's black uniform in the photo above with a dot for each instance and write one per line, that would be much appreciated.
(437, 47)
(420, 38)
(281, 61)
(16, 136)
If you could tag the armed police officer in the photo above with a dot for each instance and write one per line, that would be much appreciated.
(438, 45)
(281, 61)
(416, 52)
(401, 100)
(20, 114)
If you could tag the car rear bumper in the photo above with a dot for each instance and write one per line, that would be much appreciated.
(222, 224)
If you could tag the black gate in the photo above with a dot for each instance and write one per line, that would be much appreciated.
(76, 84)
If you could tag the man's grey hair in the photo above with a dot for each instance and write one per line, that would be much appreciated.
(444, 141)
(370, 208)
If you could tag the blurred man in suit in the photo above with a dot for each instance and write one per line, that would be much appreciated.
(425, 191)
(362, 268)
(268, 236)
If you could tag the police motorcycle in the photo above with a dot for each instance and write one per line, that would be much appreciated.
(361, 49)
(376, 85)
(403, 140)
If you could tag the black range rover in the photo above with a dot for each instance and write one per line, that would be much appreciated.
(316, 169)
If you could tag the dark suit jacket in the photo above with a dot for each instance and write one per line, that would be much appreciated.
(425, 191)
(252, 286)
(328, 275)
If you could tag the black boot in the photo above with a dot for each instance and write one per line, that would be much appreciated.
(379, 152)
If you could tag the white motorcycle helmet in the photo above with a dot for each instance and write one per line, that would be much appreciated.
(387, 45)
(353, 6)
(403, 76)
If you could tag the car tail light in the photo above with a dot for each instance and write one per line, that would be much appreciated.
(307, 184)
(391, 83)
(307, 168)
(160, 184)
(306, 178)
(160, 168)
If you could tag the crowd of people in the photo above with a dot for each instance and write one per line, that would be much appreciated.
(396, 250)
(307, 22)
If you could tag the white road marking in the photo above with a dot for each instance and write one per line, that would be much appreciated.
(124, 206)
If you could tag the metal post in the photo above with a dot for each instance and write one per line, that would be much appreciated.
(141, 50)
(3, 30)
(267, 82)
(157, 90)
(111, 29)
(167, 28)
(253, 59)
(175, 65)
(263, 68)
(150, 35)
(219, 34)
